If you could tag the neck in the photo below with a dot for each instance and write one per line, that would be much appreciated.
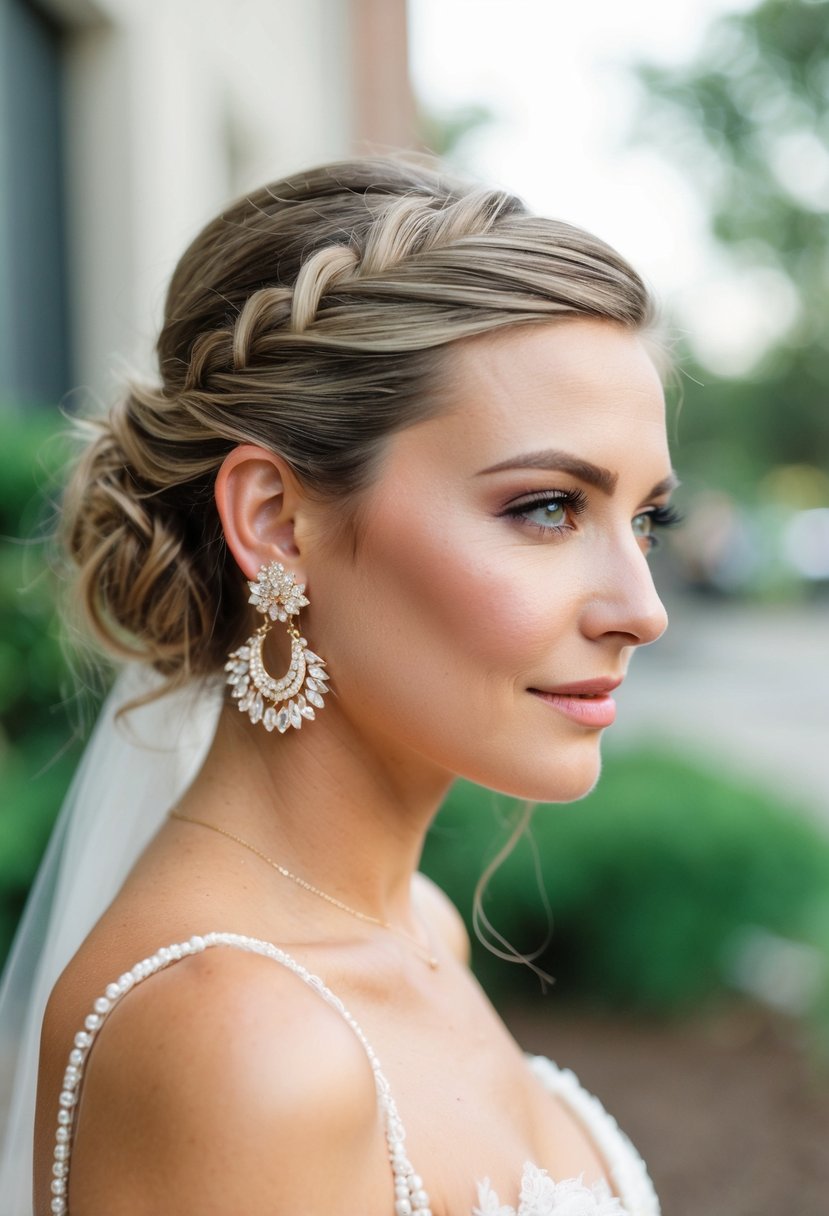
(343, 811)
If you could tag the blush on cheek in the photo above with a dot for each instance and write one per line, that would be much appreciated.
(442, 637)
(501, 622)
(453, 609)
(436, 657)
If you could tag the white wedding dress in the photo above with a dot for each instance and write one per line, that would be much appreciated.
(538, 1193)
(150, 761)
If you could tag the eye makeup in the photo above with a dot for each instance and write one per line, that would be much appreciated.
(561, 507)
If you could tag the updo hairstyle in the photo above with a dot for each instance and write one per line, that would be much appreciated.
(308, 318)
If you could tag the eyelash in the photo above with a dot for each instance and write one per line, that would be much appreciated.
(663, 517)
(575, 502)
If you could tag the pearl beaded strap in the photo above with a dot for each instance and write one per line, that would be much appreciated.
(409, 1196)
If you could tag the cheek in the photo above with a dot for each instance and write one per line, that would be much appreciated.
(433, 639)
(455, 623)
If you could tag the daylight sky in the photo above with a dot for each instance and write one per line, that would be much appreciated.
(555, 74)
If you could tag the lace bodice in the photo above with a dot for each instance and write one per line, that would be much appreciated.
(539, 1195)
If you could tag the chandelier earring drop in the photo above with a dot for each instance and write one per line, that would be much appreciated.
(281, 703)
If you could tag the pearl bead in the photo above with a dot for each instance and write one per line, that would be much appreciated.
(61, 1152)
(402, 1207)
(102, 1005)
(59, 1169)
(82, 1039)
(112, 991)
(62, 1134)
(416, 1182)
(75, 1056)
(420, 1200)
(92, 1021)
(58, 1205)
(64, 1116)
(67, 1098)
(58, 1187)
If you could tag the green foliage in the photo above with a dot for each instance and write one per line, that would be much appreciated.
(650, 880)
(37, 746)
(747, 123)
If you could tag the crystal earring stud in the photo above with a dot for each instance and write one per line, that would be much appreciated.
(283, 703)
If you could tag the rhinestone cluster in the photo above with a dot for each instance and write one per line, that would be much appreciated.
(253, 687)
(283, 703)
(276, 593)
(410, 1198)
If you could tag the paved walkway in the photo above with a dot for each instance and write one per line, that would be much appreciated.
(745, 686)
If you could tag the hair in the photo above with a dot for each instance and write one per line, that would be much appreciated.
(308, 318)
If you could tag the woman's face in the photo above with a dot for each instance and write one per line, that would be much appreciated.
(502, 582)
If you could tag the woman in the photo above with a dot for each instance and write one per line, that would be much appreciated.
(426, 425)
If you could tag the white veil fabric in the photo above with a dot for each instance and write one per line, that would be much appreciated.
(133, 770)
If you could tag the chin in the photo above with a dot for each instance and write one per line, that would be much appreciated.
(569, 787)
(566, 777)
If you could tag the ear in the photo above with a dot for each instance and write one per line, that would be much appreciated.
(257, 497)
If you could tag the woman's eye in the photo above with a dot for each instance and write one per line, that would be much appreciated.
(548, 514)
(646, 523)
(551, 512)
(643, 525)
(556, 512)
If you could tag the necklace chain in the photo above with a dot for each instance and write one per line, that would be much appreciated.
(307, 886)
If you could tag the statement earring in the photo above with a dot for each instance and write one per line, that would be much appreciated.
(278, 596)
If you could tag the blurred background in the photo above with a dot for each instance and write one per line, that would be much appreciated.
(690, 893)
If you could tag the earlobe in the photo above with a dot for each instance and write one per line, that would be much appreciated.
(256, 497)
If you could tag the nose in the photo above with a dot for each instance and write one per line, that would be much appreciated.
(626, 602)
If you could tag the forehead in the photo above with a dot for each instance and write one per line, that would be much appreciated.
(588, 387)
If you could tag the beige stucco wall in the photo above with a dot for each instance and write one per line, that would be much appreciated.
(174, 106)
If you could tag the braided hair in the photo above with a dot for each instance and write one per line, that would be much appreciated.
(310, 318)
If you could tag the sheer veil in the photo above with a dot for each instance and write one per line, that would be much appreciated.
(132, 771)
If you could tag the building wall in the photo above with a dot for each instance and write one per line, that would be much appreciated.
(172, 108)
(33, 271)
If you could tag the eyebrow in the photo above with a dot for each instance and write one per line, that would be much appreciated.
(584, 470)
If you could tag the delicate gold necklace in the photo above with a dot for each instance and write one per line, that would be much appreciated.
(307, 886)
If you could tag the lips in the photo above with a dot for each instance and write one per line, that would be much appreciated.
(586, 702)
(583, 688)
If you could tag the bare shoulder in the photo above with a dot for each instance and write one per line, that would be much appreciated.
(444, 918)
(220, 1084)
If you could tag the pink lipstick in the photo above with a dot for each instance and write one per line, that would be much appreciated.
(587, 702)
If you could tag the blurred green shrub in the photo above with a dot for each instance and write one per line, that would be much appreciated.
(650, 879)
(38, 745)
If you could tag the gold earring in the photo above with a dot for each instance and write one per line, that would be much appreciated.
(278, 596)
